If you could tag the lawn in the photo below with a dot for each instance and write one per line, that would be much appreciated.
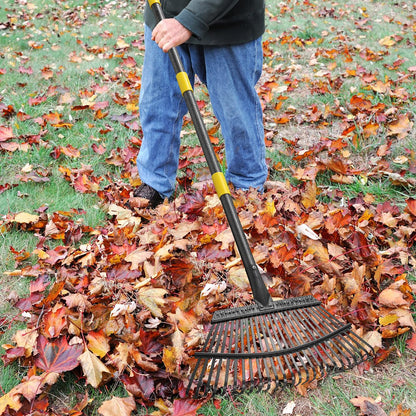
(103, 305)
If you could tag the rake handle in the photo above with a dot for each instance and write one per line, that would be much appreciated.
(259, 289)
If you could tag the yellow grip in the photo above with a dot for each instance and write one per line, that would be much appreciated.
(152, 2)
(183, 81)
(221, 186)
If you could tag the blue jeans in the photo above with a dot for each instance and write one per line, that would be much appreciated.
(230, 74)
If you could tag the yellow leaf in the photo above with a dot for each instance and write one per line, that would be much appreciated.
(98, 343)
(93, 368)
(25, 218)
(169, 359)
(11, 400)
(131, 107)
(118, 406)
(152, 298)
(387, 41)
(387, 320)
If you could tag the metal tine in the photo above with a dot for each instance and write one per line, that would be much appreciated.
(313, 328)
(292, 361)
(255, 350)
(270, 327)
(349, 334)
(282, 345)
(354, 338)
(209, 341)
(346, 345)
(216, 343)
(311, 325)
(333, 346)
(281, 328)
(331, 341)
(297, 318)
(230, 345)
(225, 338)
(269, 346)
(259, 324)
(236, 379)
(296, 335)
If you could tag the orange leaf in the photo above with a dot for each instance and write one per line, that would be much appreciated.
(411, 206)
(392, 298)
(6, 133)
(118, 406)
(401, 127)
(54, 322)
(57, 356)
(411, 342)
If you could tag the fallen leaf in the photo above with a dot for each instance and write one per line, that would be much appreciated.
(411, 342)
(26, 218)
(93, 368)
(392, 298)
(57, 356)
(118, 406)
(152, 299)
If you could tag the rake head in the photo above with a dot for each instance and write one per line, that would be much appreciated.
(292, 341)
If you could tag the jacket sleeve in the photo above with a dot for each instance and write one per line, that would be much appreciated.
(198, 15)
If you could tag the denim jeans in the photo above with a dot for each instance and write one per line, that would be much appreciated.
(230, 74)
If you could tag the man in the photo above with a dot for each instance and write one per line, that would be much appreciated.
(220, 41)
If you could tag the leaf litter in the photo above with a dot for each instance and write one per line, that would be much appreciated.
(134, 302)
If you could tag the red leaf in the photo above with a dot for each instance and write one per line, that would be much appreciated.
(37, 100)
(57, 356)
(411, 342)
(6, 133)
(186, 407)
(411, 206)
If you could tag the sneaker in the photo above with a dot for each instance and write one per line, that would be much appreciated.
(147, 192)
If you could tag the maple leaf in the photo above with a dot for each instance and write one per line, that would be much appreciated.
(411, 342)
(152, 298)
(6, 133)
(57, 356)
(401, 127)
(186, 407)
(118, 406)
(54, 321)
(93, 368)
(98, 343)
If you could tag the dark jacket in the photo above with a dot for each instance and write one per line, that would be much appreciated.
(215, 22)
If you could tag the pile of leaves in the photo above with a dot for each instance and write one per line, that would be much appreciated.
(131, 301)
(134, 303)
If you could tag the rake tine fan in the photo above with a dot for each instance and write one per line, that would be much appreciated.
(256, 346)
(294, 341)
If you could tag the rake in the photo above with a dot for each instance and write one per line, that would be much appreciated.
(257, 346)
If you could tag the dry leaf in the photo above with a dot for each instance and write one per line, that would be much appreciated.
(93, 368)
(152, 298)
(118, 406)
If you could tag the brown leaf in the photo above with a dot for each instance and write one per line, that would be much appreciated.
(368, 406)
(93, 368)
(118, 406)
(400, 411)
(401, 127)
(411, 342)
(392, 298)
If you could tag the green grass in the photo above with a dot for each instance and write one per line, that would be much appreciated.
(80, 43)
